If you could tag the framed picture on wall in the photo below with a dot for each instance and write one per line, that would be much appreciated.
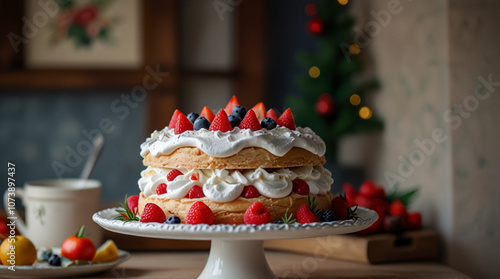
(81, 34)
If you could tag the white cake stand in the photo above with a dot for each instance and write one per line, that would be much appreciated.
(236, 250)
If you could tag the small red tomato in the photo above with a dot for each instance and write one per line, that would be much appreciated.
(77, 247)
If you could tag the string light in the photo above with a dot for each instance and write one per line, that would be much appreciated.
(343, 2)
(365, 113)
(311, 9)
(354, 49)
(314, 72)
(355, 99)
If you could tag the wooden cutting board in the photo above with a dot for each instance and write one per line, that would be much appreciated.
(378, 248)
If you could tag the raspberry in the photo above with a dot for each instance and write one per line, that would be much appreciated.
(196, 192)
(161, 189)
(304, 215)
(250, 192)
(132, 203)
(250, 121)
(200, 213)
(173, 174)
(221, 123)
(286, 120)
(300, 187)
(257, 214)
(183, 124)
(153, 213)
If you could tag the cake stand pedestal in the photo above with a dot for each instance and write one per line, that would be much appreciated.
(237, 250)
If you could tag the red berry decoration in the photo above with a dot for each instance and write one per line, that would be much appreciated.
(397, 208)
(415, 221)
(300, 186)
(200, 213)
(250, 192)
(324, 105)
(183, 124)
(153, 213)
(133, 203)
(196, 192)
(174, 118)
(257, 214)
(315, 26)
(272, 114)
(260, 111)
(221, 122)
(207, 113)
(231, 104)
(350, 193)
(195, 176)
(304, 215)
(341, 209)
(173, 174)
(371, 191)
(161, 189)
(250, 121)
(286, 120)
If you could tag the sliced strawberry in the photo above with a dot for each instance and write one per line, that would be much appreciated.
(286, 120)
(221, 123)
(173, 120)
(195, 176)
(207, 113)
(260, 111)
(250, 121)
(272, 114)
(231, 104)
(183, 124)
(133, 203)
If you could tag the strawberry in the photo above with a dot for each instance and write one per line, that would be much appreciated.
(173, 120)
(272, 114)
(341, 209)
(376, 226)
(286, 120)
(173, 174)
(250, 121)
(415, 221)
(397, 208)
(260, 111)
(207, 113)
(195, 176)
(161, 189)
(304, 214)
(183, 124)
(231, 104)
(370, 190)
(350, 193)
(221, 123)
(392, 224)
(300, 186)
(250, 192)
(200, 213)
(3, 228)
(257, 214)
(133, 203)
(196, 192)
(153, 213)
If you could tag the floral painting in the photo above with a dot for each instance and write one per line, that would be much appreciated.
(84, 24)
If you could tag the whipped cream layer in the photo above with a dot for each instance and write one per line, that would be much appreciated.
(226, 186)
(277, 141)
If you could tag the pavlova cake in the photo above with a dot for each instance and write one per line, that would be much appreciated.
(235, 167)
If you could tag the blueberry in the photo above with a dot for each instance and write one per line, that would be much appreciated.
(326, 215)
(200, 123)
(234, 120)
(239, 111)
(43, 254)
(173, 220)
(55, 260)
(268, 123)
(192, 116)
(278, 221)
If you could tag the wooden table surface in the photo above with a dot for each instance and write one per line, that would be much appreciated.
(189, 264)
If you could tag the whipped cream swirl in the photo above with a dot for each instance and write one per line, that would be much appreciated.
(226, 186)
(277, 141)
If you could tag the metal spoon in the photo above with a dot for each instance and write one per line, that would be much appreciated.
(89, 165)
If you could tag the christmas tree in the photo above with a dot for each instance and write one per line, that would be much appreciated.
(333, 101)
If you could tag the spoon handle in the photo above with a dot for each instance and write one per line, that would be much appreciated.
(89, 165)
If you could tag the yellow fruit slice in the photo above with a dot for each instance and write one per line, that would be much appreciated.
(107, 252)
(17, 251)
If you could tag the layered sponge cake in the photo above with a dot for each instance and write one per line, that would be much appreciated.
(231, 160)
